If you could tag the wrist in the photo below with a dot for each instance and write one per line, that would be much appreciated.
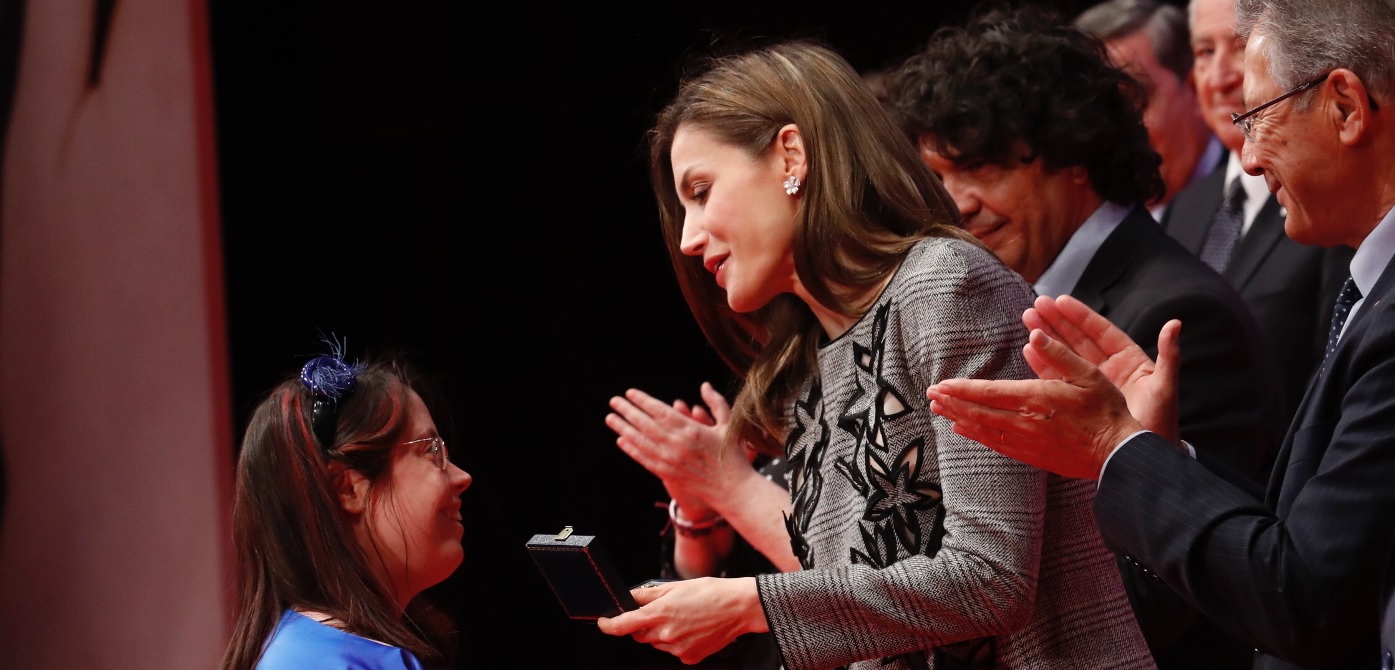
(692, 508)
(698, 527)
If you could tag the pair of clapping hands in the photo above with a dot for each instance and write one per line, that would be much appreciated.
(1095, 388)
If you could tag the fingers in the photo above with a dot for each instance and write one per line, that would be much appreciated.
(701, 416)
(1063, 445)
(697, 413)
(1039, 363)
(635, 620)
(1056, 358)
(647, 414)
(638, 436)
(646, 458)
(648, 594)
(970, 420)
(997, 404)
(630, 422)
(682, 408)
(1036, 317)
(1068, 326)
(627, 409)
(624, 624)
(627, 436)
(716, 402)
(1094, 330)
(650, 405)
(1005, 431)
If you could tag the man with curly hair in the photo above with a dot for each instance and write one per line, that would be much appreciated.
(1042, 145)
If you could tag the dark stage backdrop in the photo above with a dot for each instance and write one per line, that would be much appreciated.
(470, 189)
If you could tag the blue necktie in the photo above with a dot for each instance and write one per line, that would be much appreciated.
(1348, 297)
(1225, 228)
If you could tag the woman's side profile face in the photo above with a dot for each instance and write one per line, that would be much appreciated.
(411, 521)
(737, 215)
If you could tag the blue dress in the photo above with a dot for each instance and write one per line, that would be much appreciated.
(301, 643)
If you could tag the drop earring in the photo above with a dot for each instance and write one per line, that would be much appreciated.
(791, 185)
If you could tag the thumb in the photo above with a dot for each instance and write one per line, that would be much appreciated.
(716, 403)
(1169, 354)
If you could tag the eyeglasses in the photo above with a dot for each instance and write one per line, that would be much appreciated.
(436, 448)
(1246, 121)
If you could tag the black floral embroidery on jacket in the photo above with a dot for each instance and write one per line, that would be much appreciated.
(806, 475)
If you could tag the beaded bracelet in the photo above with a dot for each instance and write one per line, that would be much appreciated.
(688, 528)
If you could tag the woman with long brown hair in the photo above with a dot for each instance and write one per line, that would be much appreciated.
(825, 263)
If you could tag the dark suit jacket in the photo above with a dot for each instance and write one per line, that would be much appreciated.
(1387, 622)
(1295, 569)
(1288, 286)
(1230, 400)
(1139, 280)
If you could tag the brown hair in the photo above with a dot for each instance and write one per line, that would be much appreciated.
(293, 541)
(867, 198)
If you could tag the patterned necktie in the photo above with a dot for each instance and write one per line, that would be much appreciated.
(1348, 297)
(1225, 229)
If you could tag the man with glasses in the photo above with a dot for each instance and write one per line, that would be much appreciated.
(1231, 221)
(1296, 569)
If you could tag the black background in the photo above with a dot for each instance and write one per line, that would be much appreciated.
(467, 186)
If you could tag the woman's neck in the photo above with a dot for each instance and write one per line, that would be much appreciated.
(834, 322)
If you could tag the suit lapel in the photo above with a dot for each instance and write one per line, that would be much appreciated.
(1112, 260)
(1261, 239)
(1355, 330)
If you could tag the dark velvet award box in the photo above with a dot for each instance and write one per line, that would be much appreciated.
(581, 575)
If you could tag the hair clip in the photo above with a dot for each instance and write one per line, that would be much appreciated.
(329, 379)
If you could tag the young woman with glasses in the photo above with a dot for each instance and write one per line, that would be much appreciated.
(346, 508)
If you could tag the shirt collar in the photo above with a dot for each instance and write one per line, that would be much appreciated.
(1374, 254)
(1063, 273)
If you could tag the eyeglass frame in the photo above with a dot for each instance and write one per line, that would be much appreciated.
(1245, 122)
(442, 454)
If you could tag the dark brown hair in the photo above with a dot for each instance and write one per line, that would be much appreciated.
(867, 198)
(1019, 76)
(293, 541)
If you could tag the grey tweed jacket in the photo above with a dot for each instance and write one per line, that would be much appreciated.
(921, 548)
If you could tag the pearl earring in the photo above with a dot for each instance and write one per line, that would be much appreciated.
(791, 185)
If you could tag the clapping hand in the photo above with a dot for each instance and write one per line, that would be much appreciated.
(1149, 388)
(1093, 380)
(681, 445)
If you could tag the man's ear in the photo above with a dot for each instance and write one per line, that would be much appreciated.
(926, 147)
(350, 486)
(1350, 104)
(790, 145)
